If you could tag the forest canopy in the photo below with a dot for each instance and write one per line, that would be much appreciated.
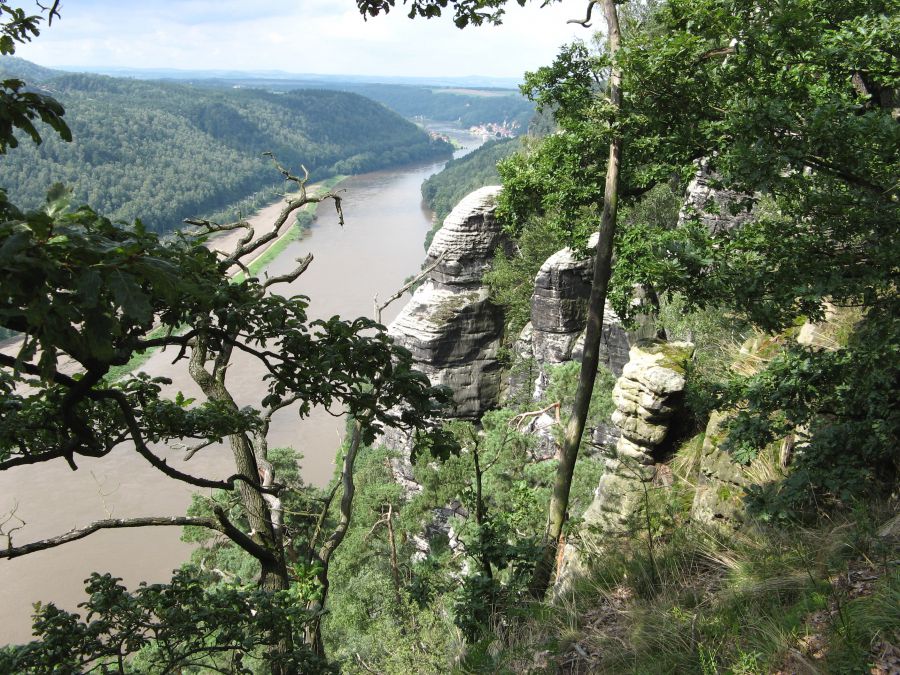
(163, 151)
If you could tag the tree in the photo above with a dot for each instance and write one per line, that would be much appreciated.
(794, 106)
(76, 285)
(590, 361)
(21, 107)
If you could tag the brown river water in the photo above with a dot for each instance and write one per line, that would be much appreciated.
(379, 246)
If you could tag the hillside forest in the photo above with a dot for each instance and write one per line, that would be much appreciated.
(163, 151)
(640, 414)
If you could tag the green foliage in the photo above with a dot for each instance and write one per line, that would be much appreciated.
(802, 123)
(465, 12)
(184, 625)
(20, 106)
(848, 396)
(301, 503)
(564, 382)
(511, 276)
(446, 597)
(162, 152)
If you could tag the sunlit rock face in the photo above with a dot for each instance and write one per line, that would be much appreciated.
(449, 325)
(467, 241)
(647, 396)
(453, 332)
(559, 314)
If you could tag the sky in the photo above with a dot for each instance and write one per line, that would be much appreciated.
(298, 36)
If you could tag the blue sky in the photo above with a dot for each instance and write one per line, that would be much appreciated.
(300, 36)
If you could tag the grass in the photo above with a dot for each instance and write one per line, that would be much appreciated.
(298, 228)
(824, 599)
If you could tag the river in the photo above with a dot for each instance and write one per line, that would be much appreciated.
(379, 246)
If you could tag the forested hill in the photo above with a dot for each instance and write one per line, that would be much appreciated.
(164, 151)
(467, 105)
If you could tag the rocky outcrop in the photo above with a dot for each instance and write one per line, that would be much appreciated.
(450, 326)
(559, 312)
(647, 396)
(555, 333)
(716, 207)
(721, 482)
(559, 305)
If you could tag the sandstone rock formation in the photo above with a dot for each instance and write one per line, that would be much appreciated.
(719, 209)
(450, 325)
(647, 396)
(555, 333)
(721, 482)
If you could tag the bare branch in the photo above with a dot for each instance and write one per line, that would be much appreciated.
(220, 523)
(518, 420)
(159, 463)
(421, 275)
(194, 449)
(290, 276)
(111, 523)
(54, 11)
(586, 21)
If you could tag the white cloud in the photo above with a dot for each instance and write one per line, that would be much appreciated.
(314, 36)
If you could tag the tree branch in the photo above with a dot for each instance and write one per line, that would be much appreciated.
(586, 21)
(220, 523)
(290, 276)
(421, 275)
(111, 523)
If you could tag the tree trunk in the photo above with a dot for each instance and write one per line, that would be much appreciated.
(559, 501)
(314, 633)
(480, 515)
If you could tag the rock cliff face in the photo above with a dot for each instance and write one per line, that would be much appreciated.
(647, 395)
(721, 482)
(555, 333)
(449, 325)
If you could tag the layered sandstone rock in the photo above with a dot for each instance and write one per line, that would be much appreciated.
(450, 326)
(647, 396)
(717, 208)
(721, 483)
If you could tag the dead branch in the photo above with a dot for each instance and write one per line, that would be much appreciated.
(194, 449)
(10, 517)
(290, 276)
(421, 275)
(54, 11)
(517, 422)
(220, 523)
(586, 21)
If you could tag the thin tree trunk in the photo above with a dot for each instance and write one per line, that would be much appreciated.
(559, 502)
(314, 633)
(480, 515)
(395, 565)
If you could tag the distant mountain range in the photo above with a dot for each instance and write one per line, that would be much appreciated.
(475, 81)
